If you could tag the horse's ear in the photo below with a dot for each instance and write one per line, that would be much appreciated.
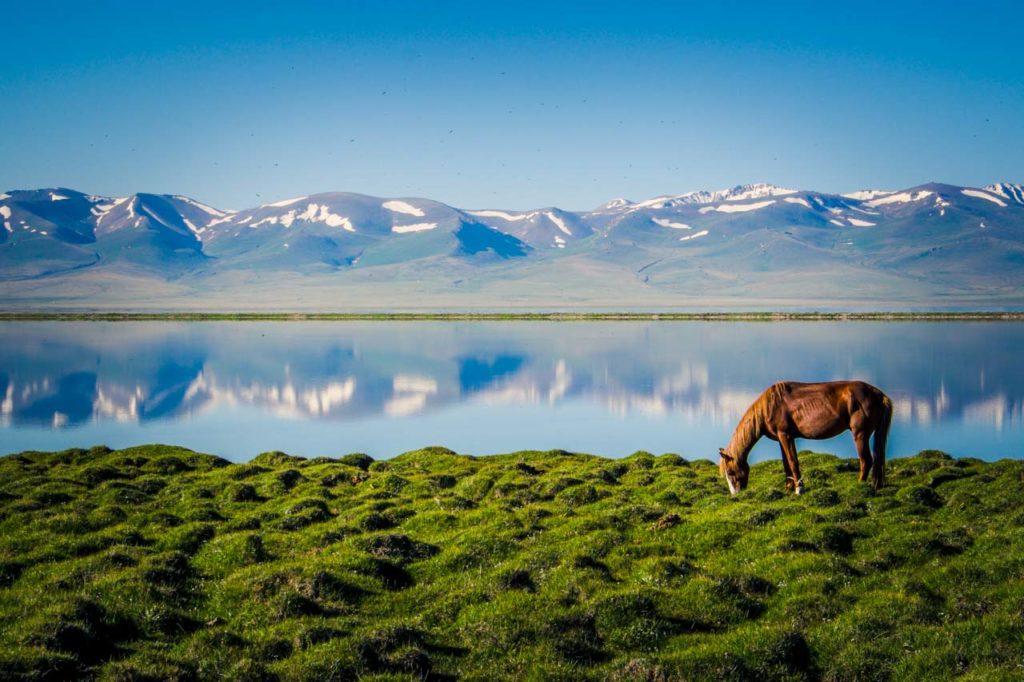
(725, 455)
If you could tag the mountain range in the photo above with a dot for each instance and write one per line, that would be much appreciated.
(750, 246)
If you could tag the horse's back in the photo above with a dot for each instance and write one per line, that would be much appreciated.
(859, 390)
(825, 409)
(841, 383)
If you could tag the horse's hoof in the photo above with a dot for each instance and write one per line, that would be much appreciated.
(799, 489)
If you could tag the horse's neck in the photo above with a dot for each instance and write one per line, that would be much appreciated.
(747, 432)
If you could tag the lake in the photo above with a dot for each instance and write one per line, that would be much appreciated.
(610, 388)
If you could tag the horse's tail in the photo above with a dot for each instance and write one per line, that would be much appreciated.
(881, 436)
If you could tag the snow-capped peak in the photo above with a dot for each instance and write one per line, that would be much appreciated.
(1013, 192)
(615, 203)
(758, 190)
(216, 213)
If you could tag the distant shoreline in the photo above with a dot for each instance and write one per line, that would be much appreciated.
(503, 316)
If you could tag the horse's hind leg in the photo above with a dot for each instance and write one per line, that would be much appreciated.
(860, 439)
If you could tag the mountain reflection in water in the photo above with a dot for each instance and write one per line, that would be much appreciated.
(669, 384)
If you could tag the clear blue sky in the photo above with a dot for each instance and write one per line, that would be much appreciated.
(512, 104)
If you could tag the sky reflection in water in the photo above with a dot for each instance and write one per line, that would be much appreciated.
(609, 388)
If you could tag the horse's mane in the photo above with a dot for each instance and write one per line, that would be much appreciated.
(751, 425)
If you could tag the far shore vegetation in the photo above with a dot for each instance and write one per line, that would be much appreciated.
(567, 316)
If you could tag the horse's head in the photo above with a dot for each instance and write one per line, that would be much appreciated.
(736, 472)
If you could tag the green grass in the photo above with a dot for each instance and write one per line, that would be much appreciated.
(157, 562)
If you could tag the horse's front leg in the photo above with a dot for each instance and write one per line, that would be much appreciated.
(788, 444)
(790, 481)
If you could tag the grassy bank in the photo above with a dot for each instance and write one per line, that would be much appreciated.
(161, 563)
(753, 316)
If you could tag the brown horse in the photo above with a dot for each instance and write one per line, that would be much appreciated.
(789, 410)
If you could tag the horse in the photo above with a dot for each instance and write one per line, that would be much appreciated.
(789, 410)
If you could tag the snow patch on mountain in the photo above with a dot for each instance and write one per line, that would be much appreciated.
(688, 237)
(285, 202)
(331, 219)
(738, 208)
(416, 227)
(201, 206)
(983, 195)
(866, 194)
(503, 215)
(856, 222)
(225, 219)
(314, 213)
(57, 197)
(5, 211)
(101, 210)
(403, 207)
(797, 200)
(901, 198)
(668, 223)
(154, 217)
(559, 223)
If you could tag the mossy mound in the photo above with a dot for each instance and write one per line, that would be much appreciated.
(157, 562)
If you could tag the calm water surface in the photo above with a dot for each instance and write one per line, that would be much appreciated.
(609, 388)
